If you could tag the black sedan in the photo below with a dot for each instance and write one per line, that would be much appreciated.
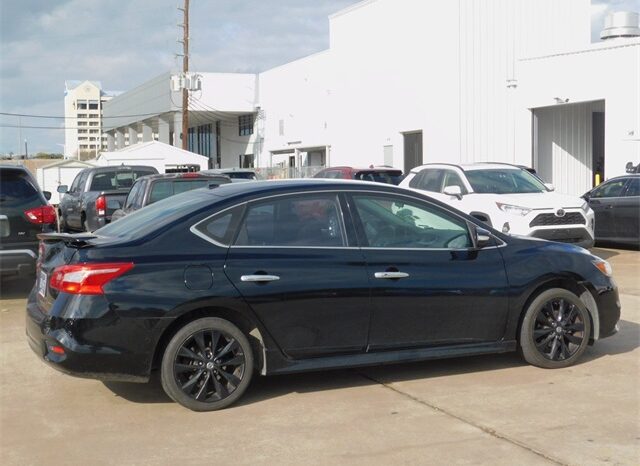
(616, 205)
(215, 285)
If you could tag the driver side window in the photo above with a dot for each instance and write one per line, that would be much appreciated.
(395, 222)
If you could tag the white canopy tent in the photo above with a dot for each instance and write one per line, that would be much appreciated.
(155, 154)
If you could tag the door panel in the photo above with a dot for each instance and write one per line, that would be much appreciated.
(314, 294)
(626, 212)
(440, 290)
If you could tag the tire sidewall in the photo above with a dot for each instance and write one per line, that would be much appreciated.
(527, 344)
(169, 383)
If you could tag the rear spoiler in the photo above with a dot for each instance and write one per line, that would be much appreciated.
(75, 240)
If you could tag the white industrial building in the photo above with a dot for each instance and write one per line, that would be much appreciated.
(405, 82)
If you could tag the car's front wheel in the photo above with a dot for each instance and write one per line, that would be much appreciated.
(555, 330)
(207, 365)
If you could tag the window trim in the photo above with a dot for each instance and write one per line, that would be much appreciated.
(351, 233)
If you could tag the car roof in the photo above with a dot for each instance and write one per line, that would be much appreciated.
(185, 176)
(469, 166)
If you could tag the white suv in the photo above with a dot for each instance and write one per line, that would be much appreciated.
(509, 199)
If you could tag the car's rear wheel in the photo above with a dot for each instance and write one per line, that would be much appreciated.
(207, 365)
(555, 330)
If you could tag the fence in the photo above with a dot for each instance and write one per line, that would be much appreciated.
(280, 173)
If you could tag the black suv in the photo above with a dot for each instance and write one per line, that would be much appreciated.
(24, 212)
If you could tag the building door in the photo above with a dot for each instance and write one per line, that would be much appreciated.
(412, 150)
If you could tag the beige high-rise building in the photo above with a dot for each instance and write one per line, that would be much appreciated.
(83, 103)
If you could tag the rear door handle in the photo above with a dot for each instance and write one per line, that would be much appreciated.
(259, 278)
(390, 275)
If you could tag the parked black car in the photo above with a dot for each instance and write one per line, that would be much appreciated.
(24, 212)
(95, 194)
(154, 188)
(616, 205)
(272, 277)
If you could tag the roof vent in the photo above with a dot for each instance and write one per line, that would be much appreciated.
(621, 24)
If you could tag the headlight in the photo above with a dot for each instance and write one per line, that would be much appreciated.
(513, 209)
(603, 266)
(585, 207)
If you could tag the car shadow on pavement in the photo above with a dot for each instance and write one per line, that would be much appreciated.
(265, 388)
(16, 288)
(604, 253)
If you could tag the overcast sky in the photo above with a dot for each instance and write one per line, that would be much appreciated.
(124, 43)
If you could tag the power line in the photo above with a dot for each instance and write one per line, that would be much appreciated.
(71, 117)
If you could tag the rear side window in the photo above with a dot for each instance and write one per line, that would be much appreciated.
(17, 190)
(222, 228)
(451, 178)
(427, 180)
(300, 221)
(116, 180)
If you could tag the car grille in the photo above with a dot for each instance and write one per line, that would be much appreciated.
(571, 218)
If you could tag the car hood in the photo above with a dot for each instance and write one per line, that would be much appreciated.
(548, 200)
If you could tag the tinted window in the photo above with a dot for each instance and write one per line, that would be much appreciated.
(427, 180)
(116, 180)
(17, 190)
(76, 182)
(165, 188)
(310, 220)
(389, 177)
(222, 227)
(610, 189)
(504, 181)
(389, 222)
(633, 188)
(135, 196)
(242, 175)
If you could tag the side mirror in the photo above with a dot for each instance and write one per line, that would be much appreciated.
(483, 238)
(47, 195)
(113, 204)
(63, 188)
(550, 187)
(454, 191)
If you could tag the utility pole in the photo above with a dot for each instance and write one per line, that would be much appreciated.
(185, 70)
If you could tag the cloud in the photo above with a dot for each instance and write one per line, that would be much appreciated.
(122, 44)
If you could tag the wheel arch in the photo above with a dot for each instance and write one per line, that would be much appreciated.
(243, 322)
(573, 284)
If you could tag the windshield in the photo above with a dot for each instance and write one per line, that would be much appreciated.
(389, 177)
(117, 179)
(167, 188)
(504, 181)
(156, 216)
(242, 175)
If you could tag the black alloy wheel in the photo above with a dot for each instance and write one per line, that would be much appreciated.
(207, 365)
(558, 330)
(555, 330)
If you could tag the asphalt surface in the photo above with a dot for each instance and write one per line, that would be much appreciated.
(478, 410)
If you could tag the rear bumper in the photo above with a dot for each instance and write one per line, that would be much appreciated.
(19, 261)
(77, 355)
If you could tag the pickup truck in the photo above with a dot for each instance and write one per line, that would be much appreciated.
(154, 188)
(95, 194)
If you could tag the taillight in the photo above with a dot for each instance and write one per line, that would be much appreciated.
(87, 278)
(101, 205)
(190, 175)
(43, 215)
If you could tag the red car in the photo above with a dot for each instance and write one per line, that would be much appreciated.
(387, 175)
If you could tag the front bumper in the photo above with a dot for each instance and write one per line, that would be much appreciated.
(81, 356)
(580, 234)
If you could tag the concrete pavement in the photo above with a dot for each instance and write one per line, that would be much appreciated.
(489, 409)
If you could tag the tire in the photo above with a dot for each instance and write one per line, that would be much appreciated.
(552, 339)
(85, 224)
(201, 379)
(63, 224)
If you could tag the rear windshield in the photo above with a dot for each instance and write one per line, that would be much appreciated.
(389, 177)
(166, 188)
(17, 190)
(157, 216)
(507, 181)
(242, 175)
(117, 180)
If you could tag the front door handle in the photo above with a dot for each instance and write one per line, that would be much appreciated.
(259, 278)
(391, 275)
